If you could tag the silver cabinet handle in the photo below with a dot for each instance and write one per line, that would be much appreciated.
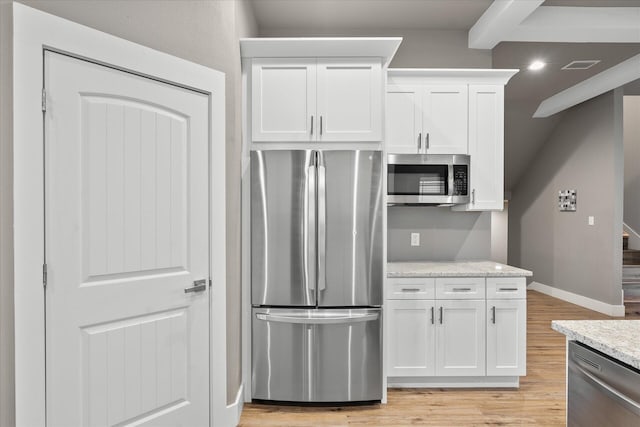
(433, 316)
(427, 140)
(411, 289)
(473, 196)
(493, 314)
(507, 289)
(441, 315)
(320, 125)
(311, 125)
(419, 141)
(461, 289)
(198, 286)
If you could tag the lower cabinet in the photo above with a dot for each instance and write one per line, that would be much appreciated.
(429, 336)
(506, 337)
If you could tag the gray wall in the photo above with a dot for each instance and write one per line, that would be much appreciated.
(7, 412)
(205, 32)
(419, 48)
(444, 235)
(584, 153)
(631, 118)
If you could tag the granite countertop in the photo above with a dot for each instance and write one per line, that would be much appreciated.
(454, 269)
(619, 339)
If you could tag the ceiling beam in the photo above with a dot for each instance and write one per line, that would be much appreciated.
(498, 21)
(616, 76)
(579, 25)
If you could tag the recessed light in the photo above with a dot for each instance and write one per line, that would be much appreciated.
(536, 65)
(581, 65)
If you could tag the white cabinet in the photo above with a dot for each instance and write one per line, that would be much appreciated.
(410, 346)
(460, 338)
(316, 99)
(427, 119)
(486, 147)
(506, 326)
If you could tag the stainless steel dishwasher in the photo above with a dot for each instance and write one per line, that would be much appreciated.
(601, 391)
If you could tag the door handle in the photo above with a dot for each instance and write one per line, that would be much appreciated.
(320, 125)
(322, 226)
(493, 314)
(419, 141)
(198, 286)
(441, 315)
(427, 140)
(311, 125)
(433, 317)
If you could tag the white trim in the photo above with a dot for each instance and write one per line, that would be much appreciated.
(499, 21)
(579, 25)
(453, 382)
(301, 47)
(616, 76)
(234, 410)
(34, 30)
(634, 237)
(582, 301)
(489, 76)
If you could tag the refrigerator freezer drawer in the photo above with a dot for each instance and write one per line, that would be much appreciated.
(326, 355)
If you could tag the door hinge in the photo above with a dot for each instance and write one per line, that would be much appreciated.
(44, 100)
(44, 275)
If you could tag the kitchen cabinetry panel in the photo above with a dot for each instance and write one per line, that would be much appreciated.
(411, 288)
(444, 119)
(460, 338)
(283, 99)
(411, 345)
(460, 288)
(506, 337)
(349, 100)
(506, 288)
(404, 120)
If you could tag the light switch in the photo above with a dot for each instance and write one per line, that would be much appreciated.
(415, 239)
(591, 220)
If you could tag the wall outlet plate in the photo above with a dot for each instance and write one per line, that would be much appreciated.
(415, 239)
(567, 200)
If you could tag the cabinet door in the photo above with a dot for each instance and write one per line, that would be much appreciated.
(404, 120)
(283, 99)
(444, 122)
(506, 337)
(349, 99)
(410, 341)
(460, 338)
(486, 146)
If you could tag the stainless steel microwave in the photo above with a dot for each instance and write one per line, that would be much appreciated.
(427, 179)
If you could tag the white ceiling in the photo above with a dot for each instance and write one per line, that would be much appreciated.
(523, 134)
(336, 15)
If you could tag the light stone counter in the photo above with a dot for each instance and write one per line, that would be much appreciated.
(619, 339)
(454, 269)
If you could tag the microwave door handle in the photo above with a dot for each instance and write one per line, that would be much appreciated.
(450, 186)
(322, 224)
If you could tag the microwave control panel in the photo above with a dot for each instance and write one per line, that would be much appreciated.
(460, 180)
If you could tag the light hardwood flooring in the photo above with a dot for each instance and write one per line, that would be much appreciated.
(539, 401)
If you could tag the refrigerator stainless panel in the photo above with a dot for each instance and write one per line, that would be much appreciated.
(327, 355)
(350, 228)
(283, 245)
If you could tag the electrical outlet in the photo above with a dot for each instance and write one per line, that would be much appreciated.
(591, 220)
(415, 239)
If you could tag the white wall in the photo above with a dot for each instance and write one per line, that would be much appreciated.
(7, 402)
(631, 123)
(584, 153)
(205, 32)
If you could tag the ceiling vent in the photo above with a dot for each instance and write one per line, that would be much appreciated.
(581, 65)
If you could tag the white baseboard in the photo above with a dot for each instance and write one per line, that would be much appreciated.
(234, 410)
(582, 301)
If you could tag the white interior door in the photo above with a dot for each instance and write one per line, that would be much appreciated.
(126, 179)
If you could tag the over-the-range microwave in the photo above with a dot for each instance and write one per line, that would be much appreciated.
(427, 179)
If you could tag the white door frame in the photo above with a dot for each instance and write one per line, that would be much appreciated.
(33, 32)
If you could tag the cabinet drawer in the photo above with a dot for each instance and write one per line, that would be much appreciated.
(506, 288)
(410, 288)
(460, 288)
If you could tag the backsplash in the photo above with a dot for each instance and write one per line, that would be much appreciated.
(444, 235)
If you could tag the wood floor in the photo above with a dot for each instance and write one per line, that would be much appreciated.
(539, 401)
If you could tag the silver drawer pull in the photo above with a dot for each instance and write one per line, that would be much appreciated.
(198, 286)
(411, 289)
(507, 289)
(461, 289)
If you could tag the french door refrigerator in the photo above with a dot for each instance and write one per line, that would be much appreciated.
(316, 275)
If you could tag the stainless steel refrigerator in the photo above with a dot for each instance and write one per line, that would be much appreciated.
(316, 275)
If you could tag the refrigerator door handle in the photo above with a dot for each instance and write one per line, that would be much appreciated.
(319, 320)
(309, 231)
(322, 224)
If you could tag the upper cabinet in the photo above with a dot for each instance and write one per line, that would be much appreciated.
(452, 111)
(323, 99)
(427, 119)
